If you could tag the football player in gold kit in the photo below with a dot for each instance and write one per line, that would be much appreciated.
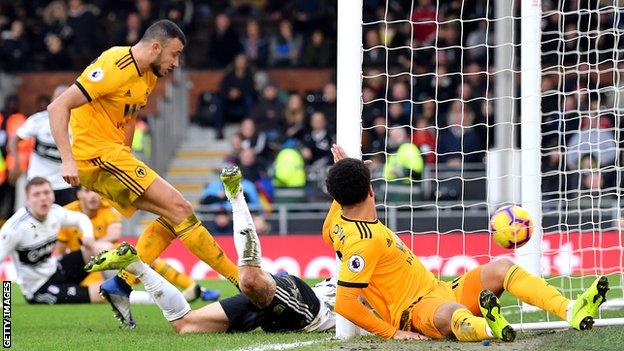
(101, 107)
(408, 301)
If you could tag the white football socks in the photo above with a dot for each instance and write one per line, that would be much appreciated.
(167, 297)
(245, 237)
(140, 297)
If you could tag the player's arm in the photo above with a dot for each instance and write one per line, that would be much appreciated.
(349, 306)
(8, 241)
(80, 220)
(59, 111)
(358, 263)
(129, 132)
(60, 248)
(12, 148)
(25, 131)
(113, 232)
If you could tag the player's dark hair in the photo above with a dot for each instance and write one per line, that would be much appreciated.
(36, 181)
(163, 30)
(348, 181)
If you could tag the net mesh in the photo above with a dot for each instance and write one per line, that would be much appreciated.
(441, 121)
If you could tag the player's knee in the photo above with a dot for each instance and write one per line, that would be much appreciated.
(502, 267)
(182, 207)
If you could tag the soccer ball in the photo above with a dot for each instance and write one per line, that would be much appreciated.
(511, 226)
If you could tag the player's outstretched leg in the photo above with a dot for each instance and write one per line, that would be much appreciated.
(115, 290)
(245, 236)
(190, 289)
(167, 297)
(254, 283)
(586, 305)
(491, 311)
(115, 259)
(117, 293)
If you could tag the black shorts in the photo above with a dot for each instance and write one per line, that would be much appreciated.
(64, 285)
(293, 307)
(64, 196)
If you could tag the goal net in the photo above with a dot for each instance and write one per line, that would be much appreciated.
(467, 106)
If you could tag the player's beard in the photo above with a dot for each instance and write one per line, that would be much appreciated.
(157, 67)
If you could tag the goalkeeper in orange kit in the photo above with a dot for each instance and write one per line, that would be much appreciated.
(409, 302)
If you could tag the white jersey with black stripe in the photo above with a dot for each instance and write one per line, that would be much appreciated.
(45, 160)
(30, 243)
(325, 319)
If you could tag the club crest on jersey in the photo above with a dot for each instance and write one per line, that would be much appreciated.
(96, 75)
(356, 263)
(140, 172)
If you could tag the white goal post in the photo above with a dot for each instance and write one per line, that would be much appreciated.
(514, 167)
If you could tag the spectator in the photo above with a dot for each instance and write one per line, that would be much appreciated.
(377, 135)
(236, 144)
(55, 20)
(295, 117)
(85, 40)
(131, 32)
(374, 54)
(328, 105)
(255, 46)
(317, 142)
(596, 139)
(285, 47)
(424, 21)
(250, 167)
(460, 142)
(222, 223)
(146, 11)
(224, 42)
(404, 158)
(399, 94)
(261, 224)
(253, 139)
(177, 13)
(14, 48)
(371, 108)
(56, 57)
(289, 169)
(397, 116)
(319, 51)
(268, 114)
(237, 91)
(423, 136)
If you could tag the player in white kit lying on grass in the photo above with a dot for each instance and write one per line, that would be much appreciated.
(29, 236)
(274, 303)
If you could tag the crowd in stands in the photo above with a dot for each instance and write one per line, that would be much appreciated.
(428, 101)
(68, 34)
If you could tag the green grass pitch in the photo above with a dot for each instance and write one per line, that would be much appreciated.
(92, 327)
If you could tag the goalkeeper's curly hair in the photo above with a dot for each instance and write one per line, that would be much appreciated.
(348, 181)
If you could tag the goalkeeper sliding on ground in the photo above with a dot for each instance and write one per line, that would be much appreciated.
(410, 303)
(273, 302)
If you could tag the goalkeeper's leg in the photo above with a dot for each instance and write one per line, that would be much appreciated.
(505, 275)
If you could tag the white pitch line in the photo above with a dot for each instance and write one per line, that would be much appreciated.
(272, 347)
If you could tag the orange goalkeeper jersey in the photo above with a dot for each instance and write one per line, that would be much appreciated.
(374, 258)
(116, 90)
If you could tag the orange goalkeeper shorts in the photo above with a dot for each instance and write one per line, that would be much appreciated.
(464, 289)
